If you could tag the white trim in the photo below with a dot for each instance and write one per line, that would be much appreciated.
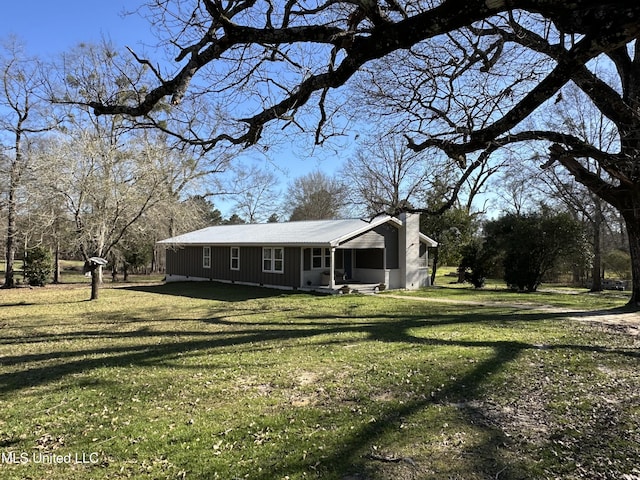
(206, 257)
(273, 260)
(314, 257)
(172, 277)
(325, 258)
(332, 270)
(430, 242)
(236, 257)
(302, 277)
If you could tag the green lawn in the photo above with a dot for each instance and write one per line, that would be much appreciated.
(546, 296)
(205, 381)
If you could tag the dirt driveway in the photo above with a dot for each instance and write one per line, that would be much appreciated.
(627, 321)
(620, 320)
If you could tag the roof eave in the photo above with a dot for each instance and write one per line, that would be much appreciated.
(430, 242)
(244, 244)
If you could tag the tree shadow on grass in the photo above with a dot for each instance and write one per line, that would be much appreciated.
(224, 292)
(160, 347)
(151, 348)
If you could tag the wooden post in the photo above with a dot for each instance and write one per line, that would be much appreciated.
(94, 265)
(332, 270)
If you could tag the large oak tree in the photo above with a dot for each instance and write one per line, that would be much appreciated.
(274, 64)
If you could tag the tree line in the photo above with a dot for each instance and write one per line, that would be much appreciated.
(452, 97)
(86, 186)
(80, 185)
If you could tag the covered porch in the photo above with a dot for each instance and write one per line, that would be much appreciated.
(391, 255)
(355, 269)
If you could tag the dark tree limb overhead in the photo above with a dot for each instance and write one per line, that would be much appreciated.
(608, 25)
(268, 63)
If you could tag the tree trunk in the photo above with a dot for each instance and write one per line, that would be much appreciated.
(154, 259)
(632, 219)
(629, 207)
(434, 269)
(9, 280)
(596, 286)
(56, 263)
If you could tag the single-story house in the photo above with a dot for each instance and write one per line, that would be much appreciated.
(305, 255)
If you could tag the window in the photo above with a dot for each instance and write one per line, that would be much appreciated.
(235, 258)
(273, 260)
(206, 257)
(316, 258)
(424, 257)
(320, 258)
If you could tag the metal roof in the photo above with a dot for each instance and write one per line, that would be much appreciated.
(312, 232)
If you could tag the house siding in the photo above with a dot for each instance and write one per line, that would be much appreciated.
(392, 245)
(307, 259)
(381, 237)
(371, 239)
(187, 262)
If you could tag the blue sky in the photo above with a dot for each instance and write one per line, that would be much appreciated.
(48, 28)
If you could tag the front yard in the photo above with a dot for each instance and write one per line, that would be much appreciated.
(204, 381)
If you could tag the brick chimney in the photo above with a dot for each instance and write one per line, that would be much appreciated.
(409, 254)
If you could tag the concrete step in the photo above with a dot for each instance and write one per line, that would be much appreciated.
(362, 288)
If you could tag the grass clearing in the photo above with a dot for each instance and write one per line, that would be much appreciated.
(579, 299)
(205, 381)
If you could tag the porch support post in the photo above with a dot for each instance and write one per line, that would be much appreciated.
(332, 275)
(302, 284)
